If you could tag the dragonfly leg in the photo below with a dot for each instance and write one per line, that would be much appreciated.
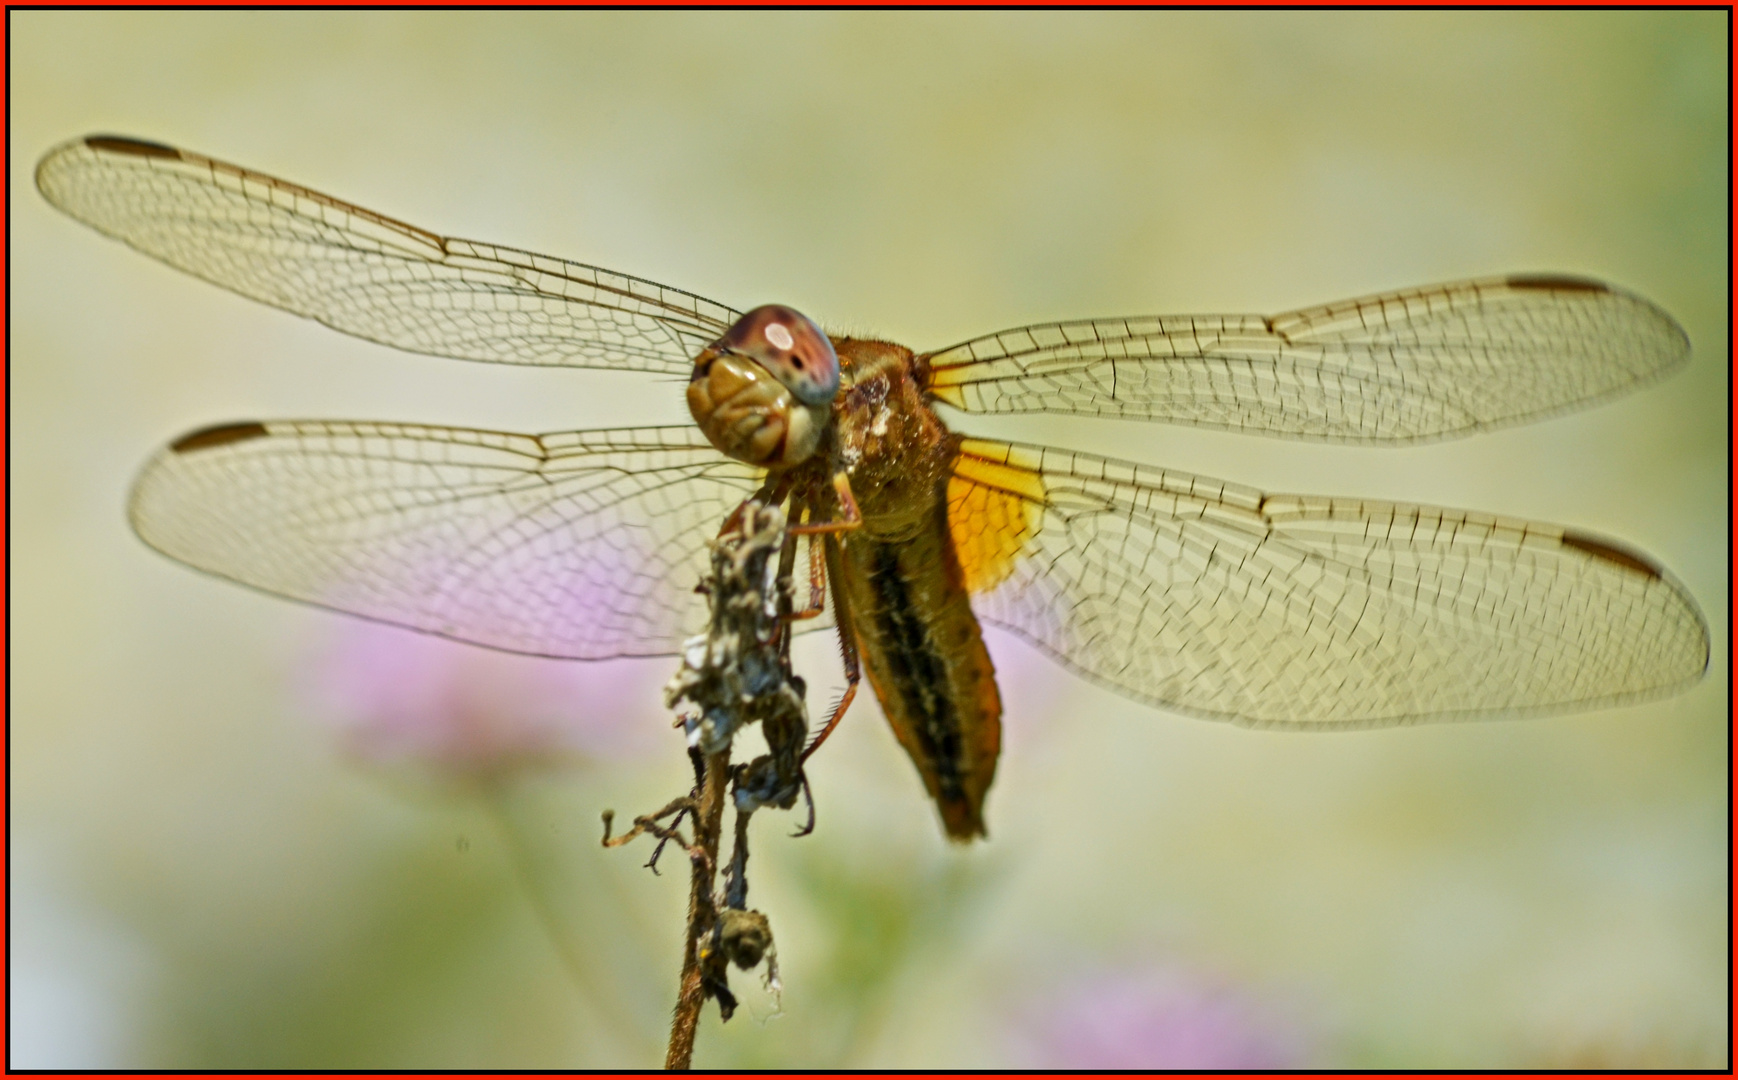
(847, 649)
(817, 585)
(849, 516)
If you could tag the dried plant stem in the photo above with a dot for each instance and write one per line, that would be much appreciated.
(703, 860)
(736, 674)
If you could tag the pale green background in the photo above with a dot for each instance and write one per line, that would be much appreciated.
(199, 880)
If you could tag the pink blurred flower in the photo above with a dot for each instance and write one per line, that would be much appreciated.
(1156, 1017)
(396, 696)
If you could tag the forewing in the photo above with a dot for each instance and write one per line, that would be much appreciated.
(584, 544)
(369, 275)
(1400, 367)
(1286, 610)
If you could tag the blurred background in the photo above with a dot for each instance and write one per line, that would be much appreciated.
(247, 834)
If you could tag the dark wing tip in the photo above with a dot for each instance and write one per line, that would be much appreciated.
(218, 435)
(1556, 283)
(1601, 549)
(121, 144)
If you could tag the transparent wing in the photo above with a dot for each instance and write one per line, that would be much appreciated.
(1288, 610)
(585, 544)
(369, 275)
(1400, 367)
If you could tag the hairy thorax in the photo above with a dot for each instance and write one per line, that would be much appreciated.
(894, 448)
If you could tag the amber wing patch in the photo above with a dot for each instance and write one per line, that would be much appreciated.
(994, 507)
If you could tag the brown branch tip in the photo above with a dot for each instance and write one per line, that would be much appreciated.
(735, 674)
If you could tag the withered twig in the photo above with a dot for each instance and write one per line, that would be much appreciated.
(652, 823)
(736, 674)
(702, 915)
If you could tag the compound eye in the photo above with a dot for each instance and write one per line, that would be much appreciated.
(790, 347)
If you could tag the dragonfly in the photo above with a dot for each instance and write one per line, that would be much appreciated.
(1196, 595)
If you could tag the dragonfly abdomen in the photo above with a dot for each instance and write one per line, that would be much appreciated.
(925, 657)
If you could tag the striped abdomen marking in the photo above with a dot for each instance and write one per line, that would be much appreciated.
(925, 657)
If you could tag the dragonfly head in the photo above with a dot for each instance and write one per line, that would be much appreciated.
(764, 391)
